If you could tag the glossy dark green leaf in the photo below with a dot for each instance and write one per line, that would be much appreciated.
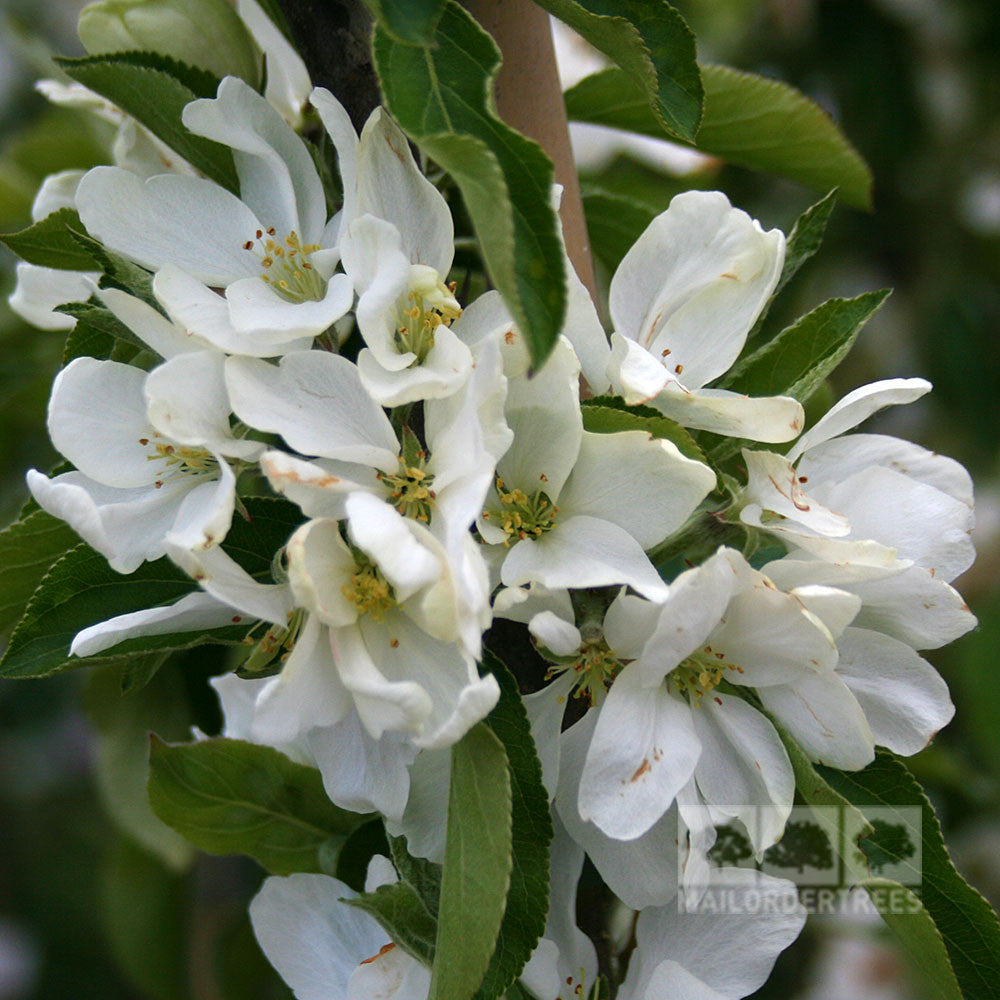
(441, 95)
(610, 415)
(97, 333)
(653, 45)
(748, 120)
(422, 875)
(403, 916)
(410, 21)
(477, 865)
(154, 89)
(50, 243)
(230, 797)
(614, 223)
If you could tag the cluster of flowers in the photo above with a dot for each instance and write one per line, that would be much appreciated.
(443, 483)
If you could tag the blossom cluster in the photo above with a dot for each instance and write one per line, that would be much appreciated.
(443, 482)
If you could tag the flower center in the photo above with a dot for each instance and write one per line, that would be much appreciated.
(277, 643)
(410, 489)
(369, 589)
(701, 673)
(286, 265)
(521, 516)
(596, 667)
(430, 303)
(179, 460)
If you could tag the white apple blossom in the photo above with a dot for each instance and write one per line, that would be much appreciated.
(574, 508)
(397, 239)
(683, 301)
(864, 498)
(270, 250)
(327, 950)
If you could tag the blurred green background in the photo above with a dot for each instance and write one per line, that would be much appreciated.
(916, 86)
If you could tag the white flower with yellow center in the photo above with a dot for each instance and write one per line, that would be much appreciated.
(151, 450)
(683, 300)
(270, 250)
(397, 239)
(570, 508)
(317, 402)
(865, 499)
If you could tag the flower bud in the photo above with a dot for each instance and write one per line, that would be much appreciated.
(204, 33)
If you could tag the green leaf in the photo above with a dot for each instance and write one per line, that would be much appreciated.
(442, 98)
(118, 271)
(609, 415)
(351, 860)
(230, 797)
(50, 242)
(799, 358)
(404, 917)
(28, 548)
(154, 89)
(748, 120)
(918, 934)
(531, 830)
(413, 21)
(97, 333)
(614, 223)
(654, 47)
(422, 875)
(77, 591)
(477, 865)
(253, 540)
(967, 923)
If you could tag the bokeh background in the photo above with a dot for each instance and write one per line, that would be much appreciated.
(91, 907)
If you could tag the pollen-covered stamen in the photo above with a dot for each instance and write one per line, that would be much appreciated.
(522, 516)
(428, 305)
(410, 491)
(179, 460)
(368, 588)
(701, 673)
(596, 666)
(286, 264)
(275, 646)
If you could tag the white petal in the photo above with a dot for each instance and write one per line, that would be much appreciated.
(857, 406)
(643, 484)
(359, 773)
(312, 939)
(903, 696)
(193, 613)
(582, 328)
(543, 411)
(256, 310)
(556, 634)
(127, 526)
(390, 975)
(170, 219)
(40, 289)
(219, 575)
(306, 694)
(391, 187)
(634, 373)
(730, 952)
(774, 484)
(316, 402)
(644, 750)
(843, 456)
(759, 418)
(671, 979)
(695, 281)
(319, 566)
(206, 512)
(696, 603)
(319, 488)
(149, 324)
(583, 552)
(278, 179)
(546, 709)
(345, 141)
(919, 521)
(202, 313)
(824, 718)
(187, 402)
(743, 766)
(628, 624)
(56, 191)
(836, 609)
(440, 374)
(640, 872)
(97, 419)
